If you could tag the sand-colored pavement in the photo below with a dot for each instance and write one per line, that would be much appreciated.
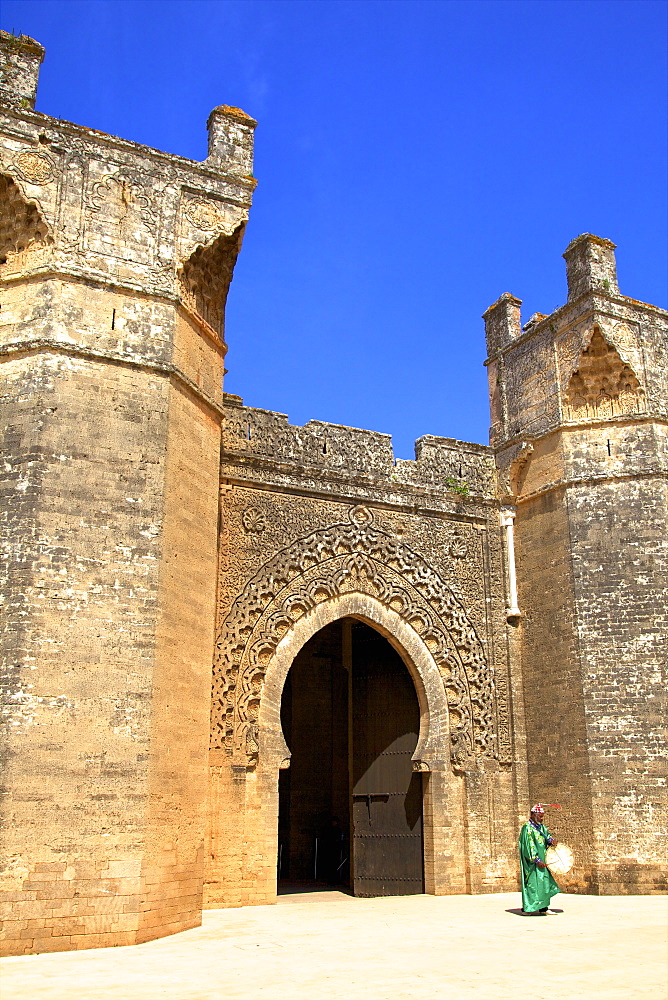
(321, 945)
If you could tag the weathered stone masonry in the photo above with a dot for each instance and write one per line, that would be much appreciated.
(319, 522)
(111, 338)
(167, 552)
(579, 429)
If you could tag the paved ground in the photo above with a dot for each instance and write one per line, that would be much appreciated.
(328, 945)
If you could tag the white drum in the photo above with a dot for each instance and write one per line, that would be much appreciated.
(559, 859)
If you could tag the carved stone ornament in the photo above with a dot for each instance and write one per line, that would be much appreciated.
(35, 167)
(351, 557)
(603, 385)
(254, 520)
(23, 231)
(202, 214)
(458, 548)
(120, 196)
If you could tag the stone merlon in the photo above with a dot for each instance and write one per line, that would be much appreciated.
(590, 266)
(20, 60)
(231, 139)
(502, 322)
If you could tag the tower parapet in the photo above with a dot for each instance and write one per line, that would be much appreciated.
(537, 372)
(123, 218)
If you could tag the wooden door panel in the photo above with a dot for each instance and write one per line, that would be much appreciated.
(387, 795)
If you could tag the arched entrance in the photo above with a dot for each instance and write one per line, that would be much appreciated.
(350, 804)
(248, 749)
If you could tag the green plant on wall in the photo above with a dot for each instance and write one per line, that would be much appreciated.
(457, 485)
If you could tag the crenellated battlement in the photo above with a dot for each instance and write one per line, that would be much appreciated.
(268, 436)
(467, 469)
(92, 208)
(600, 356)
(252, 434)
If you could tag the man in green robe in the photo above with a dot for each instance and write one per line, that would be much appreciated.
(538, 886)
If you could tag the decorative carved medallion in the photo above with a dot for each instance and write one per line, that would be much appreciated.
(254, 520)
(35, 167)
(202, 214)
(458, 548)
(118, 195)
(351, 557)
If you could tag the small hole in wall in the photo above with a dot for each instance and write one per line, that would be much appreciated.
(248, 433)
(113, 319)
(324, 448)
(609, 451)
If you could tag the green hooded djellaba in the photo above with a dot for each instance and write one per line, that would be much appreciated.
(538, 886)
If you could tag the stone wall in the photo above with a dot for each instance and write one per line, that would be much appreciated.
(319, 519)
(78, 644)
(167, 552)
(115, 261)
(579, 423)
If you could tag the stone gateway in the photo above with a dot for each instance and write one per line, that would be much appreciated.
(237, 650)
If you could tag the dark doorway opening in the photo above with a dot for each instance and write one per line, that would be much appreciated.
(314, 790)
(350, 806)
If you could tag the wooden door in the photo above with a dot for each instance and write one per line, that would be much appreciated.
(386, 793)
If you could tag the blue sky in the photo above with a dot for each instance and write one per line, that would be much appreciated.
(415, 160)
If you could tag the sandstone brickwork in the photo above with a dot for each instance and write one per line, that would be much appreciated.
(579, 408)
(168, 553)
(319, 522)
(111, 339)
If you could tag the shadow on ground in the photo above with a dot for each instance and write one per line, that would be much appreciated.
(519, 912)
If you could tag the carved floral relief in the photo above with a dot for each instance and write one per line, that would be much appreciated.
(352, 556)
(254, 520)
(35, 167)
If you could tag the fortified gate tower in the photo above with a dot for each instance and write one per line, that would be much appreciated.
(115, 261)
(579, 404)
(236, 650)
